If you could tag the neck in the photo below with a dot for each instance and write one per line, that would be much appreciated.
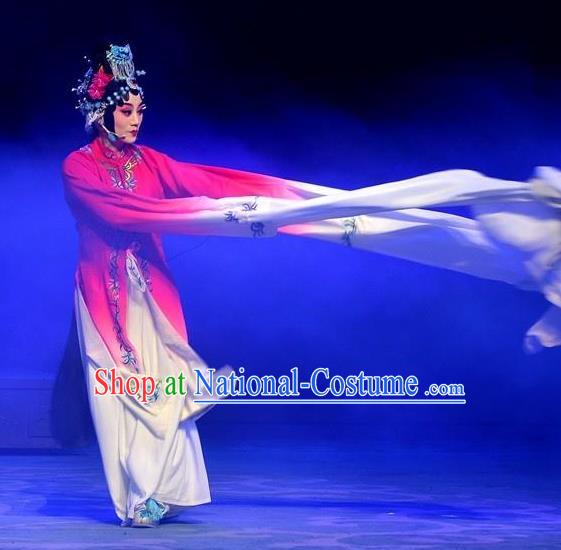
(117, 146)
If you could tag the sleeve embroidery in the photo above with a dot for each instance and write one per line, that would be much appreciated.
(350, 229)
(133, 212)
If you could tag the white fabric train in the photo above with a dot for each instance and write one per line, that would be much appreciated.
(514, 237)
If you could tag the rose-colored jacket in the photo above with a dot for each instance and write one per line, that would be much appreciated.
(125, 201)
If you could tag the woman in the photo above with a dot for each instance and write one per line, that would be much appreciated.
(129, 317)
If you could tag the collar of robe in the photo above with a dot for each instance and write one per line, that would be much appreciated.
(109, 153)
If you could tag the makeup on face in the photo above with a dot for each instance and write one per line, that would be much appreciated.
(128, 118)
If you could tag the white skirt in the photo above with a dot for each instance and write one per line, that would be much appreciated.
(147, 451)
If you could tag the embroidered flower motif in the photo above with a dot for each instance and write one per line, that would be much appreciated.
(151, 399)
(143, 278)
(246, 206)
(145, 268)
(123, 177)
(127, 355)
(350, 229)
(257, 228)
(111, 154)
(231, 217)
(135, 275)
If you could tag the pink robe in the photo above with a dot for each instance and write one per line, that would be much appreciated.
(124, 203)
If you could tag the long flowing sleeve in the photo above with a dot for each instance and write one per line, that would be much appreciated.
(294, 202)
(198, 215)
(516, 240)
(185, 179)
(434, 190)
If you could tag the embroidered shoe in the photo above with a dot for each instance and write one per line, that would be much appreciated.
(149, 513)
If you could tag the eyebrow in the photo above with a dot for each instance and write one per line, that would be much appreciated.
(131, 105)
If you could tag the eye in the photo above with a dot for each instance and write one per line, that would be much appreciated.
(126, 112)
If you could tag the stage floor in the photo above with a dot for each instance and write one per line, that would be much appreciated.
(276, 493)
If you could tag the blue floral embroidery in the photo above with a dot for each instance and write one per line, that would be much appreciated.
(258, 229)
(127, 355)
(350, 229)
(144, 265)
(145, 268)
(246, 206)
(135, 275)
(151, 399)
(231, 217)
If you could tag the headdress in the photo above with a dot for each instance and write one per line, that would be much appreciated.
(91, 88)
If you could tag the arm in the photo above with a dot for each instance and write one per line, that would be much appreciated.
(86, 192)
(185, 179)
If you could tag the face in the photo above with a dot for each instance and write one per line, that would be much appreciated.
(128, 118)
